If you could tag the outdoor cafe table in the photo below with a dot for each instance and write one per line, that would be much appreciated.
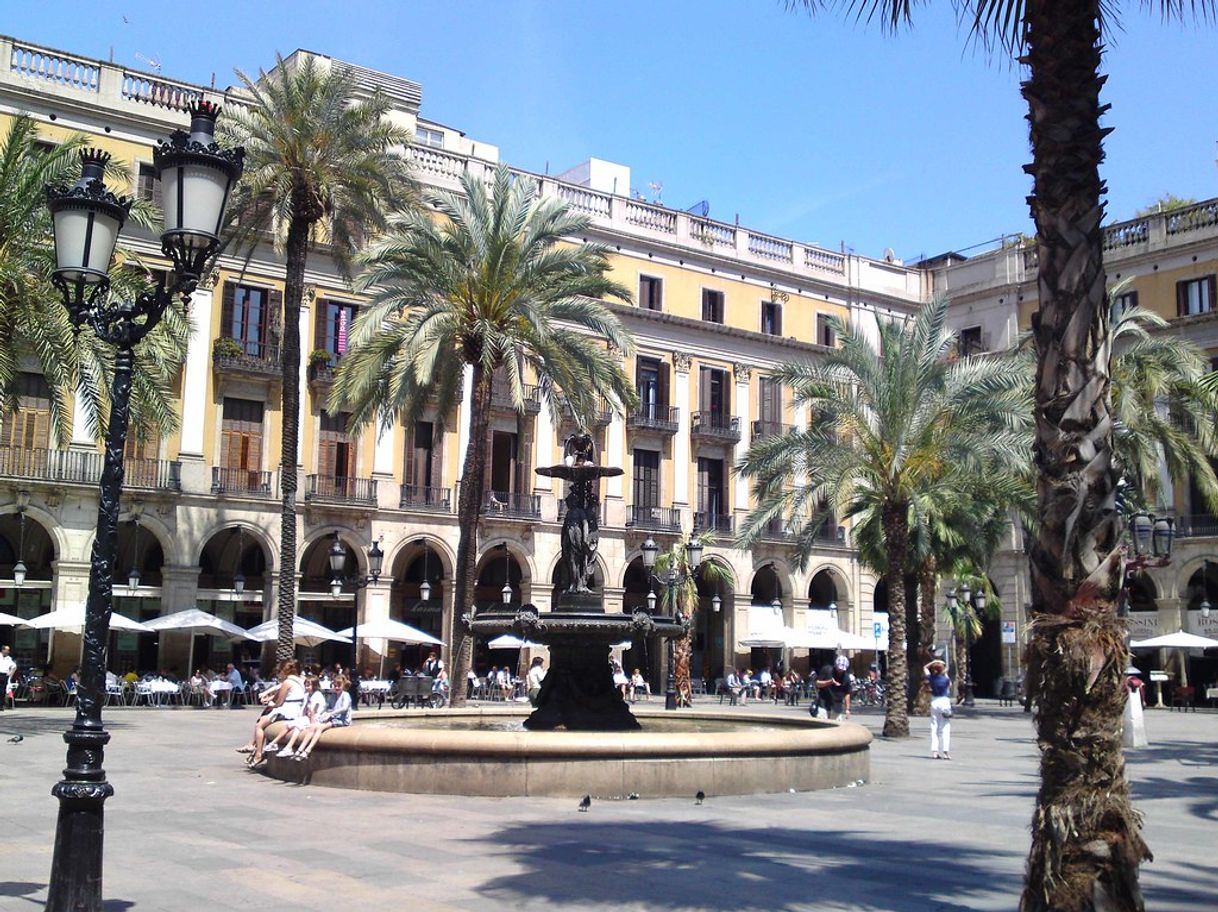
(370, 690)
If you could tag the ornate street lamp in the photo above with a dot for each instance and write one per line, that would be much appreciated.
(716, 603)
(19, 569)
(197, 177)
(133, 575)
(672, 579)
(238, 576)
(338, 565)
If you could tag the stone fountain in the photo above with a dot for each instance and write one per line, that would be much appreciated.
(578, 693)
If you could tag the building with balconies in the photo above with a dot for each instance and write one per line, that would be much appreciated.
(717, 306)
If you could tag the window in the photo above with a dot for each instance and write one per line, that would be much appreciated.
(646, 478)
(425, 136)
(250, 315)
(334, 322)
(651, 383)
(713, 393)
(147, 187)
(771, 318)
(769, 403)
(241, 434)
(336, 450)
(970, 342)
(651, 293)
(712, 306)
(28, 427)
(712, 497)
(1127, 300)
(422, 468)
(824, 331)
(1195, 296)
(42, 147)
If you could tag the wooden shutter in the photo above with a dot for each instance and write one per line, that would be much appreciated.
(777, 318)
(272, 324)
(703, 485)
(227, 302)
(524, 464)
(662, 385)
(704, 389)
(320, 320)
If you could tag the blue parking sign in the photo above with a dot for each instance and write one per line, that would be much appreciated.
(877, 629)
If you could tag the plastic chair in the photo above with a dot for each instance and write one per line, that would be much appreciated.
(1184, 697)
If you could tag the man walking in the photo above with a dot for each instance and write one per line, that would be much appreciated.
(8, 668)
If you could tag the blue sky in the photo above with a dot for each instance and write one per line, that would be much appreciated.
(820, 129)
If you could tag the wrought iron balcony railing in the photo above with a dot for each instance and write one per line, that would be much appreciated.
(657, 519)
(770, 429)
(240, 481)
(501, 398)
(341, 489)
(508, 505)
(652, 417)
(718, 523)
(715, 426)
(432, 500)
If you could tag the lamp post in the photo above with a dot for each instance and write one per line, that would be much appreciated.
(338, 565)
(1151, 538)
(19, 569)
(196, 178)
(671, 579)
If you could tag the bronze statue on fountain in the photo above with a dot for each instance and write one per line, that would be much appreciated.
(578, 691)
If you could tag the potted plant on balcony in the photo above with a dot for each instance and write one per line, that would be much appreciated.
(320, 364)
(226, 348)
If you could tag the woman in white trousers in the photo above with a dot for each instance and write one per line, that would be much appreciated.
(940, 709)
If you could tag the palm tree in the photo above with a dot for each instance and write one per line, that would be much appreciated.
(685, 601)
(34, 325)
(323, 168)
(1086, 838)
(890, 422)
(489, 282)
(965, 619)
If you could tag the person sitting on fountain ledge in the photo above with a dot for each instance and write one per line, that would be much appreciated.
(537, 674)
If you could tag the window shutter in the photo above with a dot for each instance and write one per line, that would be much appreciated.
(1181, 298)
(409, 469)
(704, 389)
(662, 385)
(1212, 283)
(778, 319)
(273, 324)
(320, 318)
(227, 302)
(524, 466)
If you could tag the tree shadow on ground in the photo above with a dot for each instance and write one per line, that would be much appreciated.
(14, 722)
(1197, 790)
(666, 865)
(32, 896)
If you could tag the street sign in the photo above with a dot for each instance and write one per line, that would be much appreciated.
(1008, 632)
(877, 629)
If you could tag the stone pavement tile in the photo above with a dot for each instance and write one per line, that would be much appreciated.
(191, 830)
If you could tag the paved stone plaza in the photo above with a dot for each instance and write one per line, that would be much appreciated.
(190, 829)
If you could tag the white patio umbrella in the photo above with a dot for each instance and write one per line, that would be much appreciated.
(1177, 640)
(507, 641)
(389, 629)
(304, 632)
(625, 644)
(11, 620)
(73, 619)
(196, 621)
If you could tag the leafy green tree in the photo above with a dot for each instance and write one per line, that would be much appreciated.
(890, 421)
(33, 323)
(323, 169)
(1166, 203)
(488, 282)
(1086, 838)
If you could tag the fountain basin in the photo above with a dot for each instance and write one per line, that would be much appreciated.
(428, 753)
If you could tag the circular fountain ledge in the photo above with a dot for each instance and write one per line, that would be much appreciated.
(446, 754)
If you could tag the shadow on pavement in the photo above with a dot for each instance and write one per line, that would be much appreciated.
(15, 722)
(683, 865)
(34, 895)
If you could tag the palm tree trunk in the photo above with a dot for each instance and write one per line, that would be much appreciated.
(928, 580)
(895, 518)
(469, 511)
(1086, 840)
(682, 651)
(293, 292)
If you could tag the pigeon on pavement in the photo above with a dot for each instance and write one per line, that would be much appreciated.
(16, 739)
(699, 797)
(585, 802)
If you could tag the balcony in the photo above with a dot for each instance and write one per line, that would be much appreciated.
(717, 523)
(715, 427)
(153, 474)
(653, 519)
(1201, 525)
(249, 482)
(85, 468)
(602, 416)
(508, 505)
(763, 429)
(662, 419)
(430, 500)
(251, 360)
(321, 378)
(501, 398)
(777, 530)
(340, 490)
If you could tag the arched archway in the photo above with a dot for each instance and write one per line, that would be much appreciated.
(498, 567)
(769, 612)
(715, 603)
(418, 561)
(36, 550)
(315, 601)
(985, 653)
(229, 553)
